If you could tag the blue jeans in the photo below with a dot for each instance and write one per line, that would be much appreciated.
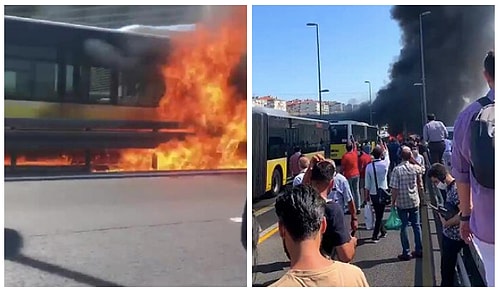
(413, 216)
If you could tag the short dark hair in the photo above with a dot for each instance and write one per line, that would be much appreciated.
(431, 117)
(348, 146)
(322, 172)
(489, 64)
(300, 209)
(438, 171)
(377, 152)
(296, 149)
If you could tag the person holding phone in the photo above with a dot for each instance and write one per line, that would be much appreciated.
(451, 241)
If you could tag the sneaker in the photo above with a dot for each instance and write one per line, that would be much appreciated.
(404, 257)
(416, 254)
(383, 235)
(358, 212)
(375, 239)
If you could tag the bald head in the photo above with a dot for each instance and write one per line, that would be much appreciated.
(406, 153)
(303, 162)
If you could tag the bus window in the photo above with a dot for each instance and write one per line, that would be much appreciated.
(277, 136)
(30, 73)
(45, 81)
(100, 85)
(338, 134)
(310, 136)
(358, 132)
(276, 148)
(17, 79)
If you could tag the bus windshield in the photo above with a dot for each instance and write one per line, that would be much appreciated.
(372, 134)
(358, 132)
(338, 134)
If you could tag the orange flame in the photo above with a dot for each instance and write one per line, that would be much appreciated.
(200, 95)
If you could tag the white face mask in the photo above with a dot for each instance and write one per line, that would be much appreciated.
(441, 186)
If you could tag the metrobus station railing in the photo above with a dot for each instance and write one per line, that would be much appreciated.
(470, 268)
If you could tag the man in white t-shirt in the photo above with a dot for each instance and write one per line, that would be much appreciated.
(304, 165)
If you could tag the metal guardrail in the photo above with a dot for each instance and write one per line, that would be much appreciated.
(470, 268)
(130, 174)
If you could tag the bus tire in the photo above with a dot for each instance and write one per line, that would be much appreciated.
(277, 182)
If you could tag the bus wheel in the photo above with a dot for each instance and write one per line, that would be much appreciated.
(277, 182)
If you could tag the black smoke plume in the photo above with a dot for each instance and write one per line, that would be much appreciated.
(456, 40)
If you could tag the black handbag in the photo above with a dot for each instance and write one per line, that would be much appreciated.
(383, 195)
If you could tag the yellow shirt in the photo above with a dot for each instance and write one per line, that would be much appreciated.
(338, 274)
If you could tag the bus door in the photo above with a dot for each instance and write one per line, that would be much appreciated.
(372, 136)
(338, 139)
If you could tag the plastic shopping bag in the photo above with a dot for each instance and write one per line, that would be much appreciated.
(393, 223)
(369, 218)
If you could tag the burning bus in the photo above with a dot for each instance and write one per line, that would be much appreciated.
(122, 100)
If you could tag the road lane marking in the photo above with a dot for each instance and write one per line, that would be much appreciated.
(270, 231)
(263, 210)
(236, 219)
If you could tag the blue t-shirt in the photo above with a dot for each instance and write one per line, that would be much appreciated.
(452, 232)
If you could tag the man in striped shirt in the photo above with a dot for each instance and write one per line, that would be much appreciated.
(404, 184)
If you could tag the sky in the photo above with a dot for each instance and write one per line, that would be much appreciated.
(357, 43)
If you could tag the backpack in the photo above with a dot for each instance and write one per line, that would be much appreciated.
(482, 147)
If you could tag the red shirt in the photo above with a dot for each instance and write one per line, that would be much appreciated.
(350, 164)
(363, 161)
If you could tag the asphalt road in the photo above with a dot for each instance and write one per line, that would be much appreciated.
(377, 260)
(162, 231)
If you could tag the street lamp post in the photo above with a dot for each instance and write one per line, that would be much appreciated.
(370, 93)
(319, 66)
(320, 105)
(422, 113)
(423, 65)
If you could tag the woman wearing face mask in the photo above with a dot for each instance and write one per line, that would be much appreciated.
(452, 243)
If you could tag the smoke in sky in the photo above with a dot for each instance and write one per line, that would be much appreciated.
(456, 40)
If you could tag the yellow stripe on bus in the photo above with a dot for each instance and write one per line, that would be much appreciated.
(337, 151)
(56, 110)
(271, 165)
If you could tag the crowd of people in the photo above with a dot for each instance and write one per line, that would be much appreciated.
(318, 242)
